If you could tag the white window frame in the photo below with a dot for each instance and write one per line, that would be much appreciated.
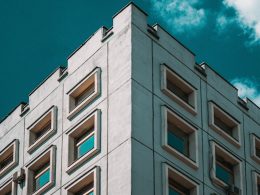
(187, 182)
(192, 105)
(53, 112)
(6, 184)
(49, 153)
(93, 175)
(72, 162)
(256, 180)
(79, 87)
(193, 159)
(254, 140)
(15, 150)
(235, 139)
(237, 166)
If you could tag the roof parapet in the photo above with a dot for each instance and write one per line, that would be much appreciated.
(86, 50)
(12, 117)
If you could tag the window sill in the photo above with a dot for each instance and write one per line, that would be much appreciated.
(180, 156)
(82, 159)
(38, 143)
(229, 138)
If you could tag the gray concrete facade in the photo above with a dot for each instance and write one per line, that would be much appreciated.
(130, 157)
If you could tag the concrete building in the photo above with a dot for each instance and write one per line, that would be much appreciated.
(132, 114)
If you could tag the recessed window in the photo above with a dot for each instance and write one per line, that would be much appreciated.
(8, 188)
(84, 92)
(179, 90)
(41, 171)
(88, 184)
(179, 137)
(42, 129)
(256, 183)
(83, 140)
(9, 157)
(255, 147)
(224, 124)
(178, 184)
(226, 168)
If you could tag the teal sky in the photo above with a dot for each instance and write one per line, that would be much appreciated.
(37, 36)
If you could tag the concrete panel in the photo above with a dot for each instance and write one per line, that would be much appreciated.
(233, 111)
(99, 59)
(198, 173)
(142, 169)
(119, 116)
(44, 89)
(142, 65)
(17, 132)
(119, 170)
(119, 59)
(160, 56)
(91, 161)
(142, 114)
(54, 99)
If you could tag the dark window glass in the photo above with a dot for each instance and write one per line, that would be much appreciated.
(4, 163)
(257, 151)
(177, 189)
(178, 139)
(178, 91)
(222, 125)
(224, 171)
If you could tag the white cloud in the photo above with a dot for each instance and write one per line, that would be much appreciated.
(247, 16)
(247, 88)
(180, 15)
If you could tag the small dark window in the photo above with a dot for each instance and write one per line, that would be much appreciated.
(222, 125)
(224, 171)
(41, 176)
(5, 162)
(84, 143)
(178, 91)
(178, 139)
(177, 189)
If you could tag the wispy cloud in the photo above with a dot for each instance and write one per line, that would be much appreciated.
(247, 88)
(190, 15)
(180, 15)
(247, 17)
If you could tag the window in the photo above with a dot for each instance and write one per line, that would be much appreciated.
(177, 183)
(224, 124)
(84, 92)
(9, 157)
(83, 140)
(42, 129)
(41, 171)
(88, 184)
(179, 90)
(226, 168)
(179, 137)
(255, 147)
(256, 183)
(8, 188)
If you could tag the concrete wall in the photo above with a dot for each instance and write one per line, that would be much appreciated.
(131, 154)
